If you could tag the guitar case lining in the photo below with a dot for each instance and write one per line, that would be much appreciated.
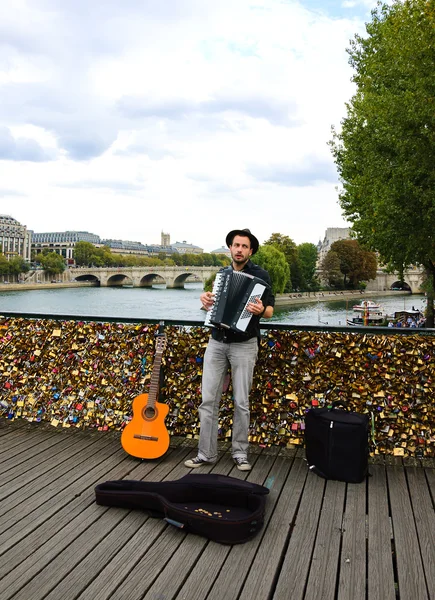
(221, 508)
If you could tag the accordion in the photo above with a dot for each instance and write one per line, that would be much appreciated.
(233, 291)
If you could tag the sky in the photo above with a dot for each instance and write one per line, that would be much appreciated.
(191, 117)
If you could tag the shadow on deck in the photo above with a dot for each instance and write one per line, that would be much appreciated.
(374, 540)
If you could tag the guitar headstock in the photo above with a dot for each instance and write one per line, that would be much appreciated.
(160, 343)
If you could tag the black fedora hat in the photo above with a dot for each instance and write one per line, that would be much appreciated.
(246, 233)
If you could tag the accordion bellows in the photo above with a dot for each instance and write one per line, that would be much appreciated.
(221, 508)
(233, 291)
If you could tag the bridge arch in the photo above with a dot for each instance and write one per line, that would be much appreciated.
(173, 277)
(118, 280)
(88, 277)
(151, 279)
(180, 280)
(400, 285)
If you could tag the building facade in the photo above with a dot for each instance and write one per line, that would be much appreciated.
(185, 248)
(332, 234)
(15, 239)
(165, 239)
(62, 242)
(222, 250)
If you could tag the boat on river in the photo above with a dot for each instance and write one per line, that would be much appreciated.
(409, 318)
(367, 314)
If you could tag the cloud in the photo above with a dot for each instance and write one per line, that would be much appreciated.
(113, 186)
(173, 110)
(6, 193)
(256, 105)
(307, 173)
(21, 149)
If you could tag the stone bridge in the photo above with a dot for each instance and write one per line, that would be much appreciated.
(413, 279)
(173, 277)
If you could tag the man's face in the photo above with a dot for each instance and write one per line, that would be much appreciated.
(240, 249)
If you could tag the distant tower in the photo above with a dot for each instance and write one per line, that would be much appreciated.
(165, 239)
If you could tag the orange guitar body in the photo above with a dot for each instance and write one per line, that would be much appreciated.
(146, 435)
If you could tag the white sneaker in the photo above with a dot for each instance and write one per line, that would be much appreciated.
(194, 463)
(242, 463)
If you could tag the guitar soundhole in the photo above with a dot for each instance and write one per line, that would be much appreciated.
(150, 413)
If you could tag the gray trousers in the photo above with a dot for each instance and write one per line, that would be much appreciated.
(241, 357)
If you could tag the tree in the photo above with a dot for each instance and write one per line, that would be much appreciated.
(385, 151)
(274, 261)
(287, 246)
(4, 265)
(84, 252)
(356, 264)
(53, 263)
(331, 269)
(307, 258)
(18, 265)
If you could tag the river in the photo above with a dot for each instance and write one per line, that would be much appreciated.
(182, 304)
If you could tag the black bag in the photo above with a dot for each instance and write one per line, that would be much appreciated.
(220, 508)
(336, 443)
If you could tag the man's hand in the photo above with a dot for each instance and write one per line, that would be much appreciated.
(256, 308)
(207, 300)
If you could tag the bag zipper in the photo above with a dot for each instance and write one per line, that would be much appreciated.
(330, 446)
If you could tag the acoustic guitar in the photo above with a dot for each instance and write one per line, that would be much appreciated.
(146, 435)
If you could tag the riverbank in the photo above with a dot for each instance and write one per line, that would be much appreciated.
(315, 297)
(282, 300)
(9, 287)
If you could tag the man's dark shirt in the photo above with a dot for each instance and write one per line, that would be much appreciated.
(253, 330)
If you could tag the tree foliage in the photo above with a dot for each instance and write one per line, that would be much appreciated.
(88, 255)
(274, 261)
(331, 269)
(52, 262)
(14, 266)
(385, 151)
(286, 245)
(307, 258)
(356, 264)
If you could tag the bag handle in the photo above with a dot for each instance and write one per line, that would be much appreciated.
(338, 403)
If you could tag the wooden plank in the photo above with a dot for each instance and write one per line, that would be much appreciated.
(20, 501)
(34, 468)
(269, 556)
(409, 561)
(381, 581)
(65, 548)
(202, 561)
(6, 425)
(430, 475)
(322, 578)
(182, 551)
(424, 517)
(151, 564)
(14, 447)
(138, 581)
(103, 552)
(238, 563)
(59, 560)
(352, 577)
(116, 570)
(302, 535)
(10, 439)
(61, 509)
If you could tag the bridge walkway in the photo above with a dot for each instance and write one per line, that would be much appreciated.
(331, 540)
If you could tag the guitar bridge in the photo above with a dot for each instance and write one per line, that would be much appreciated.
(149, 438)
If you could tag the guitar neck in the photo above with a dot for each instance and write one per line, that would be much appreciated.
(154, 381)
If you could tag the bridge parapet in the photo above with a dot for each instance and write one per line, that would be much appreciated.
(174, 277)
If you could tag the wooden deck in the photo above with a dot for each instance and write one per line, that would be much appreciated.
(374, 540)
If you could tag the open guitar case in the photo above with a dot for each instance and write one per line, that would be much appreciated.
(221, 508)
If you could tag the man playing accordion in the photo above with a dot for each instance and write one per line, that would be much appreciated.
(237, 350)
